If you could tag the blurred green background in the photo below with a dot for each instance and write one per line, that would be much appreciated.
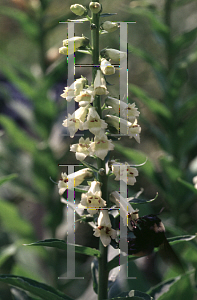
(162, 63)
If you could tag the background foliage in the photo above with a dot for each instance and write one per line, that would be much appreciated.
(162, 77)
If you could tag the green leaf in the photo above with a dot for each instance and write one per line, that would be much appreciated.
(17, 135)
(137, 294)
(42, 290)
(184, 40)
(148, 58)
(140, 201)
(178, 3)
(107, 14)
(85, 51)
(12, 72)
(176, 288)
(79, 20)
(188, 185)
(153, 104)
(93, 168)
(82, 188)
(156, 24)
(179, 239)
(12, 221)
(6, 253)
(61, 244)
(27, 24)
(133, 295)
(138, 157)
(7, 178)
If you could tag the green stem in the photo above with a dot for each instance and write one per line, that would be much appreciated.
(167, 20)
(103, 273)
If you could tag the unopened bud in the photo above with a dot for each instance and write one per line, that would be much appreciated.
(109, 26)
(78, 9)
(95, 7)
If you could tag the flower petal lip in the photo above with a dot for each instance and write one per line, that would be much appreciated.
(106, 67)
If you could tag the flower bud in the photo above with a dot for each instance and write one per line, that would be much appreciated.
(95, 7)
(106, 67)
(113, 54)
(78, 9)
(109, 26)
(79, 41)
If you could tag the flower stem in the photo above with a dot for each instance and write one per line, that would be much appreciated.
(103, 273)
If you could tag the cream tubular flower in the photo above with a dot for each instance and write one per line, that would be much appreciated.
(106, 67)
(81, 149)
(101, 146)
(92, 199)
(110, 26)
(94, 123)
(78, 9)
(195, 181)
(104, 229)
(100, 84)
(127, 110)
(126, 210)
(74, 89)
(72, 180)
(131, 173)
(74, 121)
(85, 97)
(113, 54)
(132, 129)
(79, 41)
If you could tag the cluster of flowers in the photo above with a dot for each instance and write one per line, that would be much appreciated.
(87, 118)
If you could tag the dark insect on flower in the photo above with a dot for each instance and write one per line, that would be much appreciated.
(149, 233)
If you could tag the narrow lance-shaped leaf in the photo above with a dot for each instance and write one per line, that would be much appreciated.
(7, 178)
(61, 244)
(39, 289)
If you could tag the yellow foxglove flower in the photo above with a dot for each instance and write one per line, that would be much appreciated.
(131, 173)
(127, 110)
(100, 84)
(74, 89)
(104, 229)
(73, 122)
(126, 127)
(94, 123)
(81, 149)
(101, 146)
(92, 199)
(85, 97)
(72, 180)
